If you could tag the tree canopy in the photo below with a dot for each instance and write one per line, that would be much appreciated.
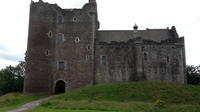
(12, 78)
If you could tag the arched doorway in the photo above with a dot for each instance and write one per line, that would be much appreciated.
(60, 87)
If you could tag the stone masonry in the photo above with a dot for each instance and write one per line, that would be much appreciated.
(67, 51)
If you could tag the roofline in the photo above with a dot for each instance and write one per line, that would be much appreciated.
(130, 30)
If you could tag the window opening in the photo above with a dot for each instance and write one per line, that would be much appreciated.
(61, 65)
(103, 60)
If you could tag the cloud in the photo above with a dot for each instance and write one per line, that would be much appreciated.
(3, 48)
(10, 57)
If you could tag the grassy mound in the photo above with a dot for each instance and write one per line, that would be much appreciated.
(127, 97)
(138, 91)
(13, 100)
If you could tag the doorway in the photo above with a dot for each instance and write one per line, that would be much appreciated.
(60, 87)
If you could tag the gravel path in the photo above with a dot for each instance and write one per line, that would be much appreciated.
(30, 105)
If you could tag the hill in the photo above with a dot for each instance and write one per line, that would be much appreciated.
(127, 97)
(14, 100)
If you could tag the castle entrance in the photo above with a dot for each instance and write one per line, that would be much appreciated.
(60, 87)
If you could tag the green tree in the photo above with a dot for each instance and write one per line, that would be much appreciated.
(193, 74)
(12, 78)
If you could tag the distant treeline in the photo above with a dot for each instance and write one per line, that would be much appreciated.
(12, 78)
(193, 74)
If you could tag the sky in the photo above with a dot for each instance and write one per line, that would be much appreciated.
(113, 15)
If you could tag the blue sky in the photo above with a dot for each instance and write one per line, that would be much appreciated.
(113, 15)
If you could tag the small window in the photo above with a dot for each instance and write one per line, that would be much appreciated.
(60, 37)
(145, 56)
(168, 59)
(61, 65)
(60, 19)
(103, 60)
(75, 19)
(50, 34)
(77, 40)
(47, 53)
(88, 47)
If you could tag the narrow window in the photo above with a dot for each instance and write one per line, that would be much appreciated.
(88, 47)
(60, 37)
(50, 34)
(61, 65)
(167, 59)
(47, 52)
(145, 56)
(103, 60)
(77, 40)
(60, 19)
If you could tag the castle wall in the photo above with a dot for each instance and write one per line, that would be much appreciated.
(75, 48)
(38, 64)
(114, 62)
(64, 45)
(60, 47)
(164, 61)
(139, 59)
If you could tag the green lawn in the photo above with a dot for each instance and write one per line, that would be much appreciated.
(127, 97)
(14, 100)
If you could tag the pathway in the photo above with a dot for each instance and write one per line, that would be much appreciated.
(30, 105)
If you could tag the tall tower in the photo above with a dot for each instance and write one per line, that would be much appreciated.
(60, 51)
(39, 53)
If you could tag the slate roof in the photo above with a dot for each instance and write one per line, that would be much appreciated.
(125, 35)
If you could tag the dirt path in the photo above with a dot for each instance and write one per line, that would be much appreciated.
(30, 105)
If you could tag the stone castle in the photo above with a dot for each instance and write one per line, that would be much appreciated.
(67, 51)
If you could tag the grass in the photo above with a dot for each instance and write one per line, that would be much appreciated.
(14, 100)
(127, 97)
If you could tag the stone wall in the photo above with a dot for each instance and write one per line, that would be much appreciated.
(140, 59)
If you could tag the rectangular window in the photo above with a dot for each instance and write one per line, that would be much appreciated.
(103, 60)
(61, 65)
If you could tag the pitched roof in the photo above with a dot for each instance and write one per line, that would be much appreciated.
(125, 35)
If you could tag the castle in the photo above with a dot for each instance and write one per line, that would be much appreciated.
(67, 51)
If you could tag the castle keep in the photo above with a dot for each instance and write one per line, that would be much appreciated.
(67, 51)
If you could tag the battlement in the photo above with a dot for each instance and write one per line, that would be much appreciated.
(90, 6)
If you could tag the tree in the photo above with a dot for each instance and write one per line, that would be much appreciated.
(12, 78)
(193, 74)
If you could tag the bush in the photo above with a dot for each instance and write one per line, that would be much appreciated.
(160, 103)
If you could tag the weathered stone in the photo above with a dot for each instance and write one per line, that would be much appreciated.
(67, 51)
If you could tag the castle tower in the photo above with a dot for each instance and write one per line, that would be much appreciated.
(60, 51)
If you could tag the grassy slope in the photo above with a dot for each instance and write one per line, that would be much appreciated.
(127, 97)
(14, 100)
